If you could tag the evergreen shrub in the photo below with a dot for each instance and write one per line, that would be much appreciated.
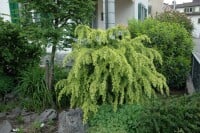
(174, 44)
(110, 67)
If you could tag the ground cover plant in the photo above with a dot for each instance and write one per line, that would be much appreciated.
(174, 44)
(110, 67)
(179, 114)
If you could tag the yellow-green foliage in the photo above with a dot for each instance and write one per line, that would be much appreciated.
(110, 67)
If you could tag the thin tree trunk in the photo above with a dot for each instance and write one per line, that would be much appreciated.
(51, 72)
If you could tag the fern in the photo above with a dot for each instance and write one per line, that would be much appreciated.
(110, 67)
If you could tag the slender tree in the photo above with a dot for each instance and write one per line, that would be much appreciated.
(52, 22)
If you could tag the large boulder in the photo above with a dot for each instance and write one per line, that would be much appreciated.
(5, 127)
(49, 114)
(71, 121)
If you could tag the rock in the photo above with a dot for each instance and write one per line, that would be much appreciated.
(25, 112)
(5, 127)
(30, 118)
(71, 121)
(9, 97)
(14, 113)
(49, 114)
(2, 115)
(27, 119)
(17, 111)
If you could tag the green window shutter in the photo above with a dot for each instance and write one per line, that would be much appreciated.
(139, 11)
(14, 11)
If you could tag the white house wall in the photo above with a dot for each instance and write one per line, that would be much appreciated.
(194, 19)
(156, 7)
(124, 11)
(180, 10)
(100, 22)
(5, 10)
(196, 31)
(197, 9)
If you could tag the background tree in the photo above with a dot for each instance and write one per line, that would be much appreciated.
(176, 17)
(52, 22)
(110, 67)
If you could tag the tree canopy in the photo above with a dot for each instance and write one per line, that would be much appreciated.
(52, 22)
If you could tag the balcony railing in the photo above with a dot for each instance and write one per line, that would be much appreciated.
(196, 70)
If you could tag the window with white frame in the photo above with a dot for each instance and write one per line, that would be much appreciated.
(189, 10)
(142, 11)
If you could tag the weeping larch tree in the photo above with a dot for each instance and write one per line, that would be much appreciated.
(52, 23)
(110, 67)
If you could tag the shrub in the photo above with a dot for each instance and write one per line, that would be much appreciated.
(107, 121)
(172, 115)
(176, 17)
(174, 44)
(109, 67)
(16, 53)
(61, 73)
(33, 90)
(6, 84)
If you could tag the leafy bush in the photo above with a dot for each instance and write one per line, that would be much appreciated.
(174, 44)
(61, 73)
(16, 53)
(168, 116)
(109, 67)
(176, 17)
(107, 121)
(6, 84)
(33, 90)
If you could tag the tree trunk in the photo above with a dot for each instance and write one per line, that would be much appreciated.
(51, 72)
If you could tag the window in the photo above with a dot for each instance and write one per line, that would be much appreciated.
(149, 10)
(142, 12)
(198, 20)
(14, 11)
(189, 10)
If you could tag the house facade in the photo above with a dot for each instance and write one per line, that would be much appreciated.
(192, 10)
(113, 12)
(155, 7)
(9, 10)
(5, 10)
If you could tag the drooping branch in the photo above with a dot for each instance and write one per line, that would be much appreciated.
(110, 69)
